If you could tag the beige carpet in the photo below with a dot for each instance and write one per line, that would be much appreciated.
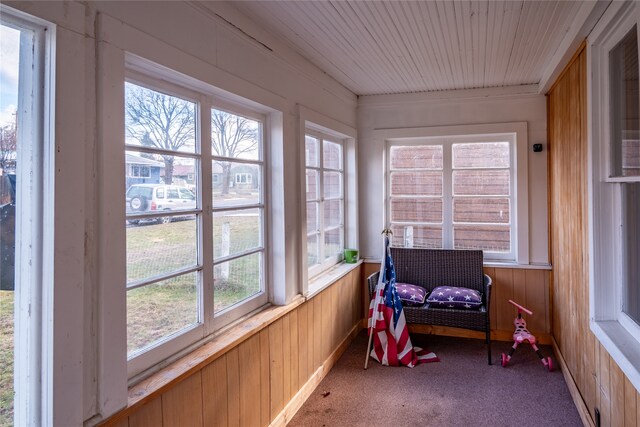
(460, 390)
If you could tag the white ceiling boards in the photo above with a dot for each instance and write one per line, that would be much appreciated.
(384, 47)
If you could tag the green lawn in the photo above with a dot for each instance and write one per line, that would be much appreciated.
(156, 311)
(6, 358)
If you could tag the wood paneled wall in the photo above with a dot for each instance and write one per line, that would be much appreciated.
(528, 287)
(598, 379)
(253, 383)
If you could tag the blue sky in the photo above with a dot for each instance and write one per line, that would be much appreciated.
(9, 58)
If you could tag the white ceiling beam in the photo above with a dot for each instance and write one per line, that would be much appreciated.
(584, 21)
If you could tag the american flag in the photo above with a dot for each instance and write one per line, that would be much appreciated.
(391, 342)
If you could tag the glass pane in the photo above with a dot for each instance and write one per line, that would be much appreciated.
(236, 231)
(235, 136)
(160, 248)
(156, 311)
(10, 59)
(311, 147)
(312, 184)
(481, 182)
(154, 119)
(417, 236)
(416, 210)
(631, 249)
(416, 183)
(332, 213)
(236, 184)
(416, 157)
(312, 250)
(492, 238)
(159, 183)
(481, 155)
(237, 280)
(625, 106)
(332, 184)
(481, 209)
(332, 155)
(333, 242)
(313, 223)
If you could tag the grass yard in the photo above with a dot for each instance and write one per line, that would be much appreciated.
(6, 358)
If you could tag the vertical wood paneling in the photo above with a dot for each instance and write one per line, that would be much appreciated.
(303, 344)
(310, 337)
(182, 404)
(598, 378)
(286, 358)
(123, 423)
(317, 331)
(150, 415)
(276, 368)
(504, 292)
(248, 354)
(617, 395)
(265, 380)
(233, 388)
(214, 393)
(295, 349)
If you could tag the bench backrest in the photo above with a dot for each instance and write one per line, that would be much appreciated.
(439, 267)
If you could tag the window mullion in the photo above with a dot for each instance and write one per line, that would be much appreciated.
(205, 251)
(447, 196)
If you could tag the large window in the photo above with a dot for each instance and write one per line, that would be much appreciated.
(615, 185)
(454, 192)
(195, 245)
(324, 185)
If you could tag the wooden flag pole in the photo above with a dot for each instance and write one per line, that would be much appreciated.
(386, 232)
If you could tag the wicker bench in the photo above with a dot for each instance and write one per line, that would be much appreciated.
(430, 268)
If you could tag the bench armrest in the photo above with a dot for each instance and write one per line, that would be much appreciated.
(487, 290)
(372, 282)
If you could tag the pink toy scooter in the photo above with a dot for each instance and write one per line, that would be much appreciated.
(521, 335)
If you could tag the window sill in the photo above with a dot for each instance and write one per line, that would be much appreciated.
(495, 264)
(623, 348)
(328, 277)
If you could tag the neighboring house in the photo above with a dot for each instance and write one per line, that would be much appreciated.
(140, 170)
(184, 174)
(241, 177)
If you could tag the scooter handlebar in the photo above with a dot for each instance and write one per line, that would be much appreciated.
(521, 308)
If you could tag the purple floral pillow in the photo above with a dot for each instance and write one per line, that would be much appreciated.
(452, 297)
(411, 295)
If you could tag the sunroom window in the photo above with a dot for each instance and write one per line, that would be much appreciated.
(195, 246)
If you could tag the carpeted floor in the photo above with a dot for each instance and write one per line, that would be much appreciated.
(460, 390)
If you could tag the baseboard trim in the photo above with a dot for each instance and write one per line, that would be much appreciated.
(585, 415)
(296, 402)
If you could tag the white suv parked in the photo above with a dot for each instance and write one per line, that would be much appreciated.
(158, 197)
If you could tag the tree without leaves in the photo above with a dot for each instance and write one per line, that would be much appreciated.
(231, 136)
(8, 146)
(160, 121)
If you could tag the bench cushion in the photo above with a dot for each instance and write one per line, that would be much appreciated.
(455, 297)
(411, 295)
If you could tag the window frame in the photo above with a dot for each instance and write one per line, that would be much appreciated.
(35, 219)
(615, 330)
(152, 76)
(326, 263)
(516, 134)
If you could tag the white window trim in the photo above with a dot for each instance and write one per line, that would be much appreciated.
(482, 132)
(614, 329)
(33, 329)
(332, 129)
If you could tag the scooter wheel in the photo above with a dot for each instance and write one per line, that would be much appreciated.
(549, 364)
(504, 360)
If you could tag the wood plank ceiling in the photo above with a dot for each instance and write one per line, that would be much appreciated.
(383, 47)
